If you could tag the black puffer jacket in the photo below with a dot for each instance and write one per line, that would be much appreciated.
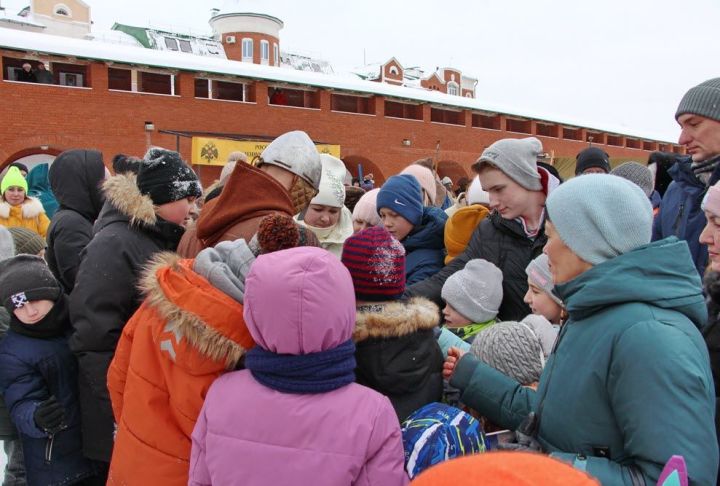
(397, 353)
(711, 333)
(504, 243)
(75, 179)
(127, 234)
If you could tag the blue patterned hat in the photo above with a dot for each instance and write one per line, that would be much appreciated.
(437, 433)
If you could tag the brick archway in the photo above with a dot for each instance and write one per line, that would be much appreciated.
(452, 169)
(368, 166)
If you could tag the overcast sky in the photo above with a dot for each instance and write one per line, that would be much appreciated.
(615, 63)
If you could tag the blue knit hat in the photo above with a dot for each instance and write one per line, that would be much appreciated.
(438, 432)
(600, 216)
(402, 194)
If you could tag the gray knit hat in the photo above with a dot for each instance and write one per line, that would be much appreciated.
(7, 246)
(26, 278)
(27, 241)
(600, 216)
(638, 174)
(545, 331)
(513, 349)
(516, 158)
(538, 272)
(475, 291)
(703, 100)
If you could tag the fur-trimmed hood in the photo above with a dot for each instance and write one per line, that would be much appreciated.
(395, 319)
(31, 208)
(122, 192)
(216, 331)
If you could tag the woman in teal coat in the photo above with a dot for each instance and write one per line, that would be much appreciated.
(628, 384)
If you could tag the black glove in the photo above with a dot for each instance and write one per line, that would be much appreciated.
(49, 416)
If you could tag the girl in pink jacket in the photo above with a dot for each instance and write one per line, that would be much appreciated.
(295, 415)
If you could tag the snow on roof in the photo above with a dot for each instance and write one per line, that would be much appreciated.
(304, 63)
(370, 71)
(50, 44)
(113, 37)
(5, 16)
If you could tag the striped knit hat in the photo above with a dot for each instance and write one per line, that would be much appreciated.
(376, 262)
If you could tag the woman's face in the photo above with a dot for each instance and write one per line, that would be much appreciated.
(396, 225)
(33, 312)
(14, 195)
(542, 304)
(564, 264)
(321, 216)
(710, 236)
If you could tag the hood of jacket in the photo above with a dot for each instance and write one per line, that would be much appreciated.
(299, 301)
(207, 318)
(76, 178)
(124, 202)
(430, 233)
(249, 193)
(37, 180)
(395, 319)
(29, 209)
(661, 274)
(681, 172)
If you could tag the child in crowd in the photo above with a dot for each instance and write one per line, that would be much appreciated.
(327, 215)
(38, 374)
(365, 213)
(19, 209)
(27, 242)
(419, 228)
(397, 353)
(295, 415)
(436, 433)
(540, 296)
(472, 298)
(462, 220)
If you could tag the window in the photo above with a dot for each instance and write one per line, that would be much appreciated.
(264, 52)
(394, 71)
(491, 122)
(350, 104)
(226, 90)
(276, 50)
(185, 46)
(202, 88)
(395, 109)
(453, 89)
(171, 43)
(62, 9)
(247, 50)
(439, 115)
(518, 126)
(119, 79)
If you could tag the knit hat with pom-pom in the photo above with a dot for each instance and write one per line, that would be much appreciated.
(279, 232)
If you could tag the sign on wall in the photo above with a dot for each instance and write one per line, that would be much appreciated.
(215, 151)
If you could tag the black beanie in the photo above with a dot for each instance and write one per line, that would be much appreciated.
(166, 178)
(592, 157)
(26, 278)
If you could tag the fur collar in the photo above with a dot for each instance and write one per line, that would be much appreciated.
(202, 336)
(395, 319)
(31, 208)
(122, 192)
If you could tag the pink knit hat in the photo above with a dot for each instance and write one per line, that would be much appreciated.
(711, 202)
(425, 177)
(366, 208)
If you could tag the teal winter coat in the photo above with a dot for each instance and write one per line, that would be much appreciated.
(628, 384)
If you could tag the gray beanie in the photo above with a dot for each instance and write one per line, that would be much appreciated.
(475, 291)
(637, 174)
(513, 349)
(545, 331)
(516, 158)
(7, 246)
(703, 100)
(538, 272)
(225, 266)
(600, 216)
(26, 278)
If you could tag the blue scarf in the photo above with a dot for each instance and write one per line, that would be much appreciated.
(319, 372)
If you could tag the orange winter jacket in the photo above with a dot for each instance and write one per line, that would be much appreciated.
(185, 335)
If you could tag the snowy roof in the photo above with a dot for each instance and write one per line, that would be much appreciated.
(5, 16)
(304, 63)
(50, 44)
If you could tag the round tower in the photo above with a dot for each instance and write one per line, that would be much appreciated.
(248, 37)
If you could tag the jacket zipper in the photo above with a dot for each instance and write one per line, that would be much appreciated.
(676, 226)
(49, 448)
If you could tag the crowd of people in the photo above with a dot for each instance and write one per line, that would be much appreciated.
(291, 324)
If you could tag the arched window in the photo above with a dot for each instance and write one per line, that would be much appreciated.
(453, 88)
(394, 71)
(62, 9)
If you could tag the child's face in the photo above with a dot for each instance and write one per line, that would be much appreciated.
(14, 195)
(176, 211)
(322, 216)
(453, 318)
(34, 311)
(396, 225)
(542, 304)
(360, 224)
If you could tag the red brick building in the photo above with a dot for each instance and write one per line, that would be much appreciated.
(104, 95)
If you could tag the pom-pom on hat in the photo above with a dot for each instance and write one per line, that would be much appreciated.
(376, 262)
(166, 178)
(279, 232)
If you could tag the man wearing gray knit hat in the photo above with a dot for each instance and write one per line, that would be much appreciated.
(698, 115)
(638, 174)
(514, 232)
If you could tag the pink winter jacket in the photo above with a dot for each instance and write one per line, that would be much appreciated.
(297, 301)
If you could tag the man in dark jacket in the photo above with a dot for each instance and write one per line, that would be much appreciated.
(513, 234)
(680, 214)
(142, 215)
(75, 179)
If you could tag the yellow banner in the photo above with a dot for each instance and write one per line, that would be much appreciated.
(215, 151)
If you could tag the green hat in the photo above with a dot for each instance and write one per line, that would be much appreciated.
(13, 178)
